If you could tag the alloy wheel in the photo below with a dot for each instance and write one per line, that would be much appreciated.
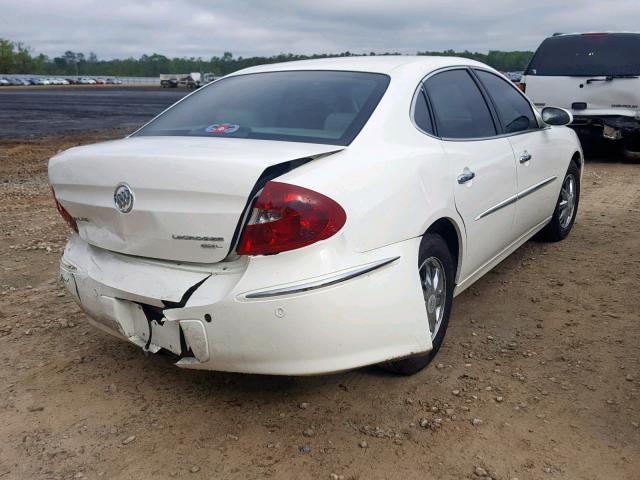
(567, 203)
(434, 290)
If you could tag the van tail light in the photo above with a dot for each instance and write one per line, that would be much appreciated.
(286, 217)
(522, 86)
(66, 216)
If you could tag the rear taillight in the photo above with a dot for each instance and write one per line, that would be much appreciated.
(66, 216)
(522, 86)
(287, 217)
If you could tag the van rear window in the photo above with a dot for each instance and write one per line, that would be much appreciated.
(587, 55)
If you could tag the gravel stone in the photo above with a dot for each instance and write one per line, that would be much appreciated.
(480, 472)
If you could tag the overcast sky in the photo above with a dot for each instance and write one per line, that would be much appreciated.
(123, 28)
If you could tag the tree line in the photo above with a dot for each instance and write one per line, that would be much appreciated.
(16, 58)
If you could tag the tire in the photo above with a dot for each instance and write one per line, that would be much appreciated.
(631, 156)
(558, 228)
(631, 149)
(433, 252)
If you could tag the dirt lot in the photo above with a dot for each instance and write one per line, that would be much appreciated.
(539, 377)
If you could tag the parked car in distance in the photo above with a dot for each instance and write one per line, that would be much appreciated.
(514, 76)
(4, 82)
(596, 76)
(170, 82)
(101, 81)
(323, 216)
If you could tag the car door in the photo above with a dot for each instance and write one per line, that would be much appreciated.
(537, 155)
(484, 171)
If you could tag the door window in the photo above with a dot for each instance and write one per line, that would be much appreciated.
(459, 107)
(513, 109)
(421, 114)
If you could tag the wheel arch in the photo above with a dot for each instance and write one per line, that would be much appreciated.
(449, 230)
(577, 159)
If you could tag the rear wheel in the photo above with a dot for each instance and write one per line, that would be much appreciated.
(436, 269)
(566, 209)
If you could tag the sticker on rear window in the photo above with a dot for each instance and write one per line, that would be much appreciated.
(220, 128)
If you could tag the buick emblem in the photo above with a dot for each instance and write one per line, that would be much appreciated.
(123, 198)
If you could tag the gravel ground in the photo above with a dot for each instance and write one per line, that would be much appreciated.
(538, 378)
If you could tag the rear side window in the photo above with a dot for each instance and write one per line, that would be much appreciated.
(297, 106)
(421, 114)
(458, 106)
(513, 109)
(587, 55)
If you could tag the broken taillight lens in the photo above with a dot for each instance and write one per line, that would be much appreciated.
(286, 217)
(66, 216)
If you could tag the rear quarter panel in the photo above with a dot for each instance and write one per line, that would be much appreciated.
(393, 180)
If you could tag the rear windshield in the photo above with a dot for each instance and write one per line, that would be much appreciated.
(300, 106)
(587, 55)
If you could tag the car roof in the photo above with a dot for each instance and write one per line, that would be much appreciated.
(375, 64)
(608, 32)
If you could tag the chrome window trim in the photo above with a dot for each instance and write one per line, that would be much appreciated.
(514, 198)
(467, 68)
(532, 106)
(473, 139)
(412, 112)
(326, 282)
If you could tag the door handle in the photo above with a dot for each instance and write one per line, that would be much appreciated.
(466, 176)
(525, 157)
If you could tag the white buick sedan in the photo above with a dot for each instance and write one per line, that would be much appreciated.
(314, 216)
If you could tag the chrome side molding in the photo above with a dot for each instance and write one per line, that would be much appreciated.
(495, 208)
(514, 198)
(325, 282)
(535, 187)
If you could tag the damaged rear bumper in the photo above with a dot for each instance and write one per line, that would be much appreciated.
(257, 314)
(610, 127)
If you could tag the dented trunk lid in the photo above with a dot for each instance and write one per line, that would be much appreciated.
(188, 193)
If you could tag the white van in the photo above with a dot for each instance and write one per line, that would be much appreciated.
(597, 77)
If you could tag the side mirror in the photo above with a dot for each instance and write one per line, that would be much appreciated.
(556, 116)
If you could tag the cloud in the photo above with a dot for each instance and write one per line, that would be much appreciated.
(201, 28)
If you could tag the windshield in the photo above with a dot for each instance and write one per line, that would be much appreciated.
(301, 106)
(588, 55)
